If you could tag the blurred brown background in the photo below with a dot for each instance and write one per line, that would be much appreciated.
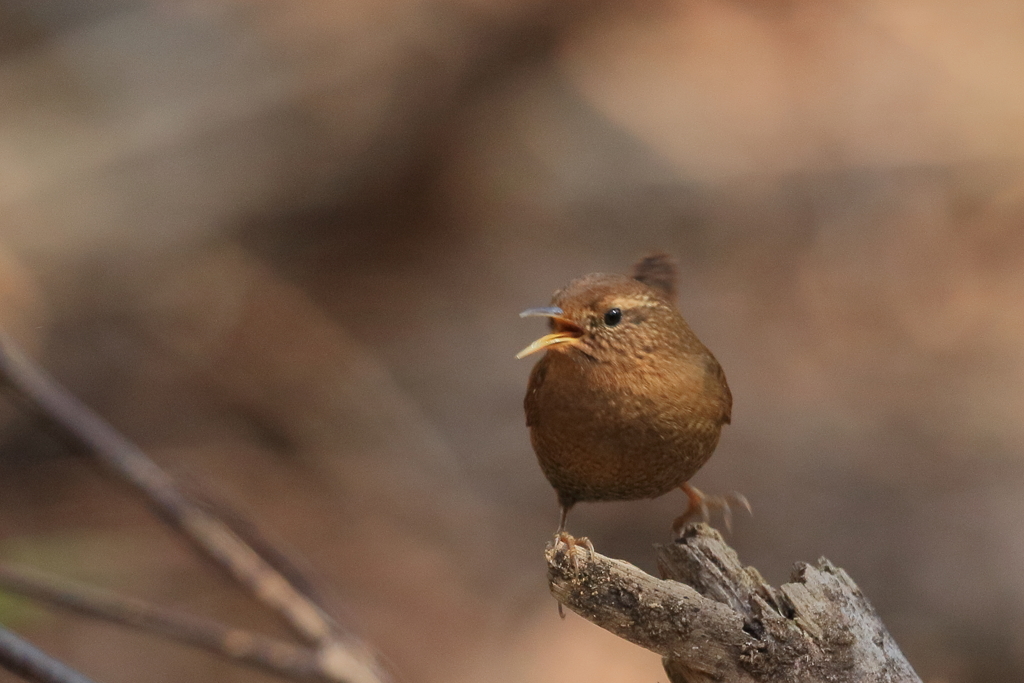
(283, 245)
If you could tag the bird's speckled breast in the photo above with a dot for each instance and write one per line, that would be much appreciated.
(609, 439)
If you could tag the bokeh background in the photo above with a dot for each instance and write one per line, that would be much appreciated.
(282, 245)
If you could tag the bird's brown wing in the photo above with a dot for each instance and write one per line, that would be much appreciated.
(657, 271)
(536, 380)
(718, 376)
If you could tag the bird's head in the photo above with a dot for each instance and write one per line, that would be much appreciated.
(610, 318)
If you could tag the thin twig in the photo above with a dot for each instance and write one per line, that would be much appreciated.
(32, 664)
(267, 653)
(340, 658)
(254, 538)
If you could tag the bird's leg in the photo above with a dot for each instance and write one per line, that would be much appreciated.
(562, 517)
(700, 504)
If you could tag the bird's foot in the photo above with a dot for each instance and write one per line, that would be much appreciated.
(573, 547)
(702, 505)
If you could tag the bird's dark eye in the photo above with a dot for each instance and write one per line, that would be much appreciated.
(612, 317)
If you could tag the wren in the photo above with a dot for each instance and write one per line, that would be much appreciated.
(626, 402)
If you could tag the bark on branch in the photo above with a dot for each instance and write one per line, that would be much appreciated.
(712, 619)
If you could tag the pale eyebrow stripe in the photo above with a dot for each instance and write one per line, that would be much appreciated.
(629, 302)
(637, 302)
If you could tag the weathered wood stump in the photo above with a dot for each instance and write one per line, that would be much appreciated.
(712, 619)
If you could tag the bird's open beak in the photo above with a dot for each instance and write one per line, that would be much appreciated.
(566, 331)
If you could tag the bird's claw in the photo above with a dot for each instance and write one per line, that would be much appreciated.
(701, 504)
(573, 548)
(571, 544)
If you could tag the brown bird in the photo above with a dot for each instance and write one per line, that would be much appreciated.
(626, 403)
